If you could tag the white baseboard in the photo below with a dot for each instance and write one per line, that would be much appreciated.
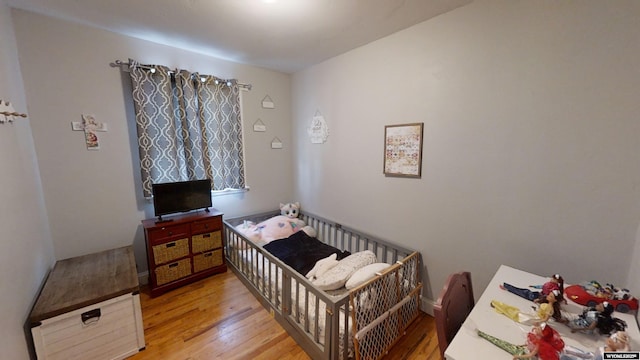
(143, 278)
(427, 306)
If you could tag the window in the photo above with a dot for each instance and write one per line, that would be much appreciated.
(189, 127)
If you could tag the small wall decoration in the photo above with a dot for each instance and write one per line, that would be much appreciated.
(259, 126)
(403, 150)
(318, 130)
(267, 103)
(8, 113)
(90, 126)
(276, 143)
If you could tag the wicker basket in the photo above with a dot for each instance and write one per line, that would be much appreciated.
(207, 260)
(166, 252)
(208, 241)
(173, 271)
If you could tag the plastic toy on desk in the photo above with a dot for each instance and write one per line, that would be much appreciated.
(592, 293)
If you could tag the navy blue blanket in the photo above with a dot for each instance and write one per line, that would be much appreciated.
(301, 251)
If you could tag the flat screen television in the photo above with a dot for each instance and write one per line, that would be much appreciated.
(182, 196)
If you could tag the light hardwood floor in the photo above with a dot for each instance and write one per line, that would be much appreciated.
(218, 318)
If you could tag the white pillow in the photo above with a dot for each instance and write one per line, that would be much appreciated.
(364, 274)
(338, 275)
(322, 266)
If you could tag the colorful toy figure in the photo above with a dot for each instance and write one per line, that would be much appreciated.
(592, 318)
(546, 310)
(543, 342)
(555, 283)
(616, 342)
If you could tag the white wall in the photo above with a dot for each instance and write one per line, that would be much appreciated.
(27, 252)
(531, 129)
(93, 198)
(633, 280)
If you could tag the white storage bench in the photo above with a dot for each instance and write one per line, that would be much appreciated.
(89, 308)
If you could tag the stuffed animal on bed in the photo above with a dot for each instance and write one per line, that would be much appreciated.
(277, 227)
(292, 210)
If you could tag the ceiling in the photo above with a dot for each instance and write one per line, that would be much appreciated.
(282, 35)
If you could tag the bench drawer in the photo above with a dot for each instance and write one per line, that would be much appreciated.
(111, 329)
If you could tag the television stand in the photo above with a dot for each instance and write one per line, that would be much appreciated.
(183, 248)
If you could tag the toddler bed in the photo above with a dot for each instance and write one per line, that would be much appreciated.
(363, 322)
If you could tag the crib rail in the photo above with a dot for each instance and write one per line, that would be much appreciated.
(309, 315)
(324, 324)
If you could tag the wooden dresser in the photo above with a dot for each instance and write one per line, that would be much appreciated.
(183, 248)
(89, 308)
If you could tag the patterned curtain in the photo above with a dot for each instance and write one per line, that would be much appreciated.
(189, 127)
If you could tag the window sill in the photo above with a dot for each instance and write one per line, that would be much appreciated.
(230, 191)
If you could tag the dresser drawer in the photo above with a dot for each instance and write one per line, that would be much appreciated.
(207, 241)
(208, 225)
(166, 233)
(173, 271)
(207, 260)
(169, 251)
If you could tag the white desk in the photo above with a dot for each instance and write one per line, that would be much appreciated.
(467, 345)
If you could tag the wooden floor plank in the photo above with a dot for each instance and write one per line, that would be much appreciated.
(218, 318)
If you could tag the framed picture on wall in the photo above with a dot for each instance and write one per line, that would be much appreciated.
(403, 150)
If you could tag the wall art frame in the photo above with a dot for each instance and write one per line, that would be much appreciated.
(403, 150)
